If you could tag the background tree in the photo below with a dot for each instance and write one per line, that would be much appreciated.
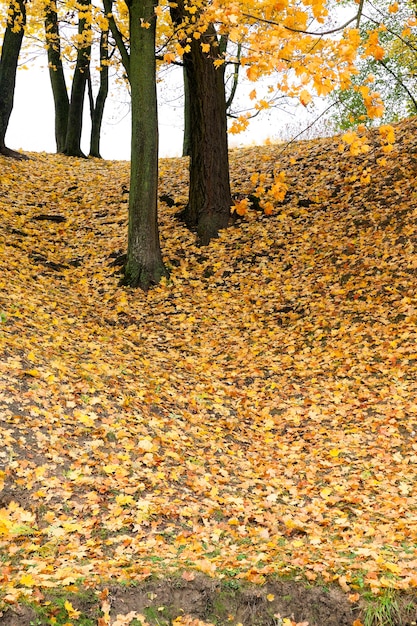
(12, 43)
(79, 81)
(387, 62)
(97, 105)
(69, 112)
(56, 74)
(121, 39)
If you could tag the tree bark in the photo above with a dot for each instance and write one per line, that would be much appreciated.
(12, 42)
(117, 36)
(97, 108)
(208, 208)
(79, 82)
(144, 266)
(186, 147)
(56, 74)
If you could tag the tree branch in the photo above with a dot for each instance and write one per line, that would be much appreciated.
(305, 32)
(235, 77)
(117, 35)
(294, 139)
(400, 82)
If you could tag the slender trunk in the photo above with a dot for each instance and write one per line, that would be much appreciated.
(117, 35)
(56, 74)
(79, 82)
(186, 147)
(235, 79)
(98, 108)
(209, 202)
(12, 42)
(144, 265)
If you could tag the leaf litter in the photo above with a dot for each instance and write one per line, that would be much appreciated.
(255, 415)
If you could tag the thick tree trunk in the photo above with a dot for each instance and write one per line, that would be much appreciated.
(209, 203)
(56, 74)
(144, 266)
(97, 108)
(12, 42)
(79, 82)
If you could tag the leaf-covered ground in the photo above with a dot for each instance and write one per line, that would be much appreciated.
(254, 415)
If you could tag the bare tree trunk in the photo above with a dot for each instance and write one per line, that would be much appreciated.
(56, 74)
(209, 203)
(97, 109)
(12, 43)
(144, 266)
(186, 142)
(79, 82)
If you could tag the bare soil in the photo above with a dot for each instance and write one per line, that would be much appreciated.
(223, 602)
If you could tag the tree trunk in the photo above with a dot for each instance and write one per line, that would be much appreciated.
(209, 203)
(56, 74)
(75, 115)
(97, 109)
(117, 35)
(12, 42)
(186, 147)
(144, 266)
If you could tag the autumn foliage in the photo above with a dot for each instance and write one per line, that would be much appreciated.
(254, 414)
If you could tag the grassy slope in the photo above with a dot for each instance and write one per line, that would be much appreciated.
(255, 415)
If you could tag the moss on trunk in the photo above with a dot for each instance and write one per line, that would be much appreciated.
(144, 266)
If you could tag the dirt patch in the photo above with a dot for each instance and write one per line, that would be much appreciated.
(218, 602)
(19, 615)
(225, 602)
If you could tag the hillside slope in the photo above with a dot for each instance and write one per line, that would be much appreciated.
(256, 414)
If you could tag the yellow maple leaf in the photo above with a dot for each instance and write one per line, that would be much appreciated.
(123, 499)
(5, 526)
(241, 208)
(73, 613)
(325, 492)
(305, 97)
(252, 72)
(169, 57)
(27, 580)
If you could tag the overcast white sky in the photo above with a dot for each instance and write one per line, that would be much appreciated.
(31, 125)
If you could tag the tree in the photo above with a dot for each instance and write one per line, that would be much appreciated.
(79, 81)
(117, 36)
(56, 74)
(388, 62)
(12, 43)
(97, 107)
(277, 41)
(186, 147)
(69, 113)
(144, 266)
(209, 202)
(208, 208)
